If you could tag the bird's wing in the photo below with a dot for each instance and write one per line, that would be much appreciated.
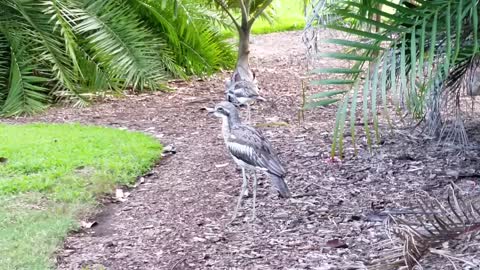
(250, 146)
(244, 89)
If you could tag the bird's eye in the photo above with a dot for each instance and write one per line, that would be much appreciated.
(220, 109)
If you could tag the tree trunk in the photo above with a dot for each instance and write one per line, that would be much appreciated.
(243, 67)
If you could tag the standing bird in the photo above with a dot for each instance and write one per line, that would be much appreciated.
(242, 92)
(251, 151)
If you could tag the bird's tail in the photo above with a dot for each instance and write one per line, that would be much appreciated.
(280, 186)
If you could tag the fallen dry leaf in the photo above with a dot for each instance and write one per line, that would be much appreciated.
(87, 225)
(140, 181)
(221, 165)
(120, 195)
(336, 243)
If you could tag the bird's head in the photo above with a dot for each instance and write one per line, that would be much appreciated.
(225, 109)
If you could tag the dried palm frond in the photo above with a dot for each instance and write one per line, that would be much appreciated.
(437, 230)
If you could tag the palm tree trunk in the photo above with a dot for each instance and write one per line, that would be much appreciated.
(243, 66)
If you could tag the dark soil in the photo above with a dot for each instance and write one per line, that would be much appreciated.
(176, 218)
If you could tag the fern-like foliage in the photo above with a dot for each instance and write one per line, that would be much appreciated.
(407, 54)
(434, 230)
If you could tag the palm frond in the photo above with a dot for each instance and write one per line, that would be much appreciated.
(89, 76)
(26, 90)
(189, 30)
(457, 222)
(77, 49)
(50, 48)
(413, 50)
(126, 45)
(4, 66)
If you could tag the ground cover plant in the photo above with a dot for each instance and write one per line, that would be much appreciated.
(52, 174)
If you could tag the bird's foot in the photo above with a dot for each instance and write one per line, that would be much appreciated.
(236, 217)
(252, 220)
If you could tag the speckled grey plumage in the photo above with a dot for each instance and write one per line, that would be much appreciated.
(249, 146)
(242, 92)
(242, 89)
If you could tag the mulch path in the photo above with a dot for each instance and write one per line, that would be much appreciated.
(176, 218)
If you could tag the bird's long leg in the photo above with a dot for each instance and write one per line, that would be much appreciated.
(248, 112)
(244, 188)
(254, 193)
(245, 192)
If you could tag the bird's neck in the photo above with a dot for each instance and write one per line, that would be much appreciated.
(228, 123)
(225, 129)
(233, 120)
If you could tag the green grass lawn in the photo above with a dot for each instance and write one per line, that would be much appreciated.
(288, 16)
(50, 175)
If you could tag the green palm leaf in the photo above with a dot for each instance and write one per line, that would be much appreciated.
(4, 66)
(26, 92)
(125, 45)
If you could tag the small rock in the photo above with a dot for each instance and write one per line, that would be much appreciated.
(282, 215)
(199, 239)
(311, 154)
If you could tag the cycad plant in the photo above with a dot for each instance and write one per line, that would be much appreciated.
(418, 55)
(71, 49)
(191, 30)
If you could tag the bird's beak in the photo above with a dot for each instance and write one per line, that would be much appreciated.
(210, 110)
